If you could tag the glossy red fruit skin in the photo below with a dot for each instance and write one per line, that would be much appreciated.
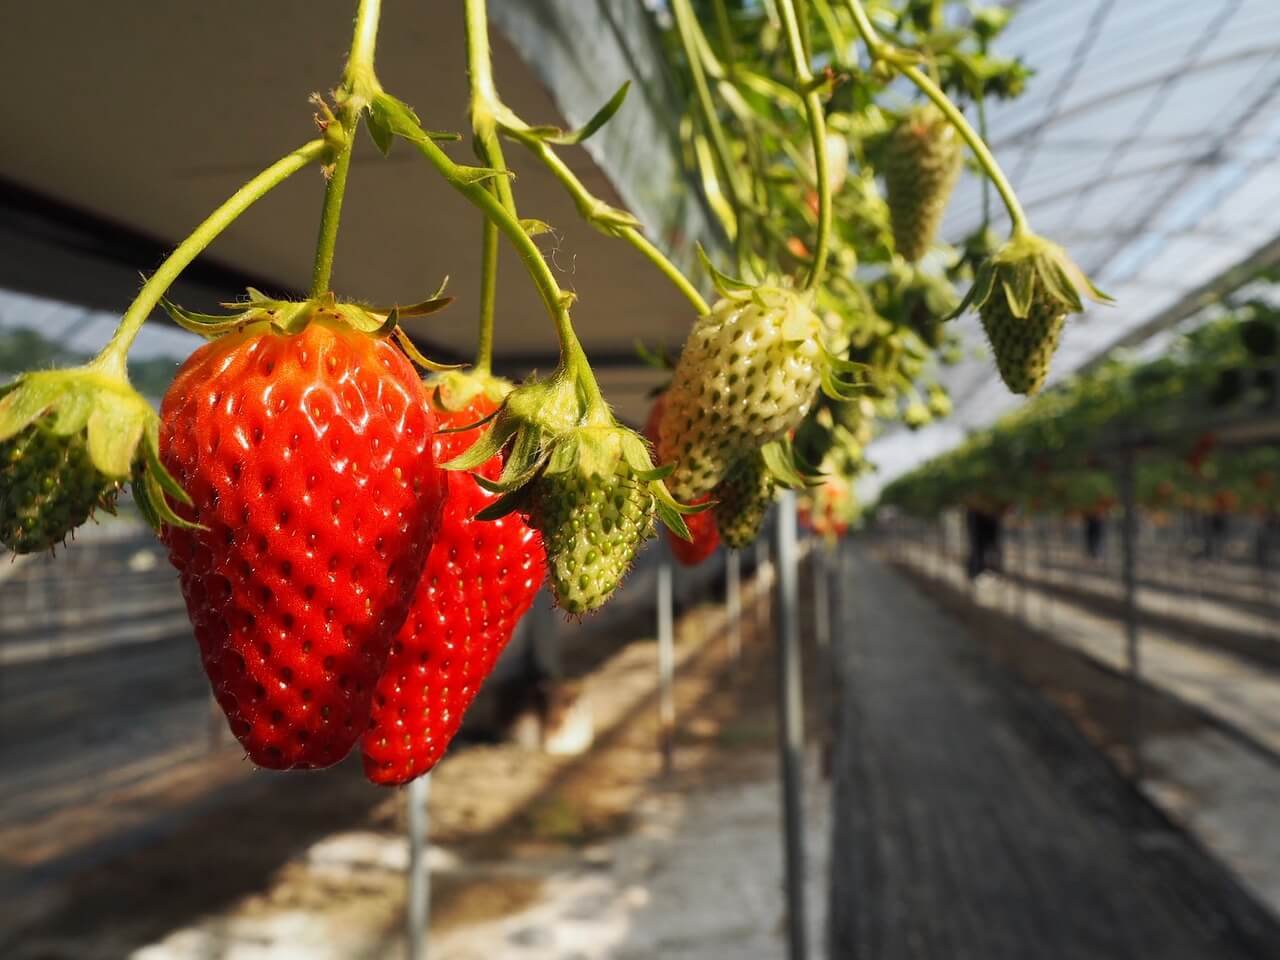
(309, 460)
(480, 579)
(702, 526)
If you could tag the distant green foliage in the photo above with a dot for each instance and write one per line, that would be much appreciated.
(23, 349)
(1053, 451)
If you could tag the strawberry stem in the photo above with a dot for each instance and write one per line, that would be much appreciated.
(112, 358)
(488, 297)
(553, 298)
(497, 202)
(692, 40)
(358, 83)
(588, 204)
(795, 34)
(489, 149)
(881, 51)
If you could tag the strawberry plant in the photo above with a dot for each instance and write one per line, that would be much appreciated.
(355, 547)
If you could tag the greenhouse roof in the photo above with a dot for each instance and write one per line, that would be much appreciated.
(1146, 144)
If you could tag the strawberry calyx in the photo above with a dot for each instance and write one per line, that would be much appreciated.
(292, 316)
(94, 406)
(553, 428)
(456, 390)
(1028, 271)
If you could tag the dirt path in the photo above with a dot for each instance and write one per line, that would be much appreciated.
(312, 866)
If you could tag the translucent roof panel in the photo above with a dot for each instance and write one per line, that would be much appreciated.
(1147, 145)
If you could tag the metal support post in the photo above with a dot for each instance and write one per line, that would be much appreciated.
(666, 664)
(419, 879)
(791, 723)
(733, 602)
(1129, 542)
(762, 594)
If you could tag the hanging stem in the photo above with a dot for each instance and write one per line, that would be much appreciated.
(554, 299)
(817, 134)
(488, 297)
(690, 33)
(113, 355)
(497, 202)
(597, 213)
(357, 84)
(488, 148)
(725, 30)
(882, 51)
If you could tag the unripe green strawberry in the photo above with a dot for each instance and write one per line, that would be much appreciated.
(68, 440)
(748, 374)
(48, 487)
(742, 500)
(586, 484)
(922, 162)
(1023, 295)
(1023, 346)
(591, 527)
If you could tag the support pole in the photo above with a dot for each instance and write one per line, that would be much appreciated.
(733, 602)
(1128, 545)
(666, 664)
(419, 879)
(791, 722)
(820, 571)
(762, 594)
(821, 596)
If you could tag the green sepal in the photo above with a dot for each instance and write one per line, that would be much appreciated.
(725, 285)
(507, 503)
(121, 430)
(668, 511)
(487, 447)
(516, 128)
(534, 228)
(463, 429)
(635, 451)
(783, 465)
(413, 353)
(151, 483)
(598, 120)
(390, 117)
(1028, 270)
(1019, 285)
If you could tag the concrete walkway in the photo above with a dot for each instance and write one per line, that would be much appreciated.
(973, 821)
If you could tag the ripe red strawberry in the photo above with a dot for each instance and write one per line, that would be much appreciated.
(480, 579)
(702, 526)
(308, 459)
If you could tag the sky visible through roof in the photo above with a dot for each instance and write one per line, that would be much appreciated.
(1146, 144)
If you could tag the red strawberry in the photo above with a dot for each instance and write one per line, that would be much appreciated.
(480, 579)
(702, 526)
(308, 458)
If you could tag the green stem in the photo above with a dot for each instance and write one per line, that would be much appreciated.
(725, 30)
(489, 149)
(687, 27)
(357, 83)
(484, 104)
(484, 95)
(881, 51)
(596, 211)
(488, 297)
(335, 189)
(113, 355)
(817, 134)
(555, 301)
